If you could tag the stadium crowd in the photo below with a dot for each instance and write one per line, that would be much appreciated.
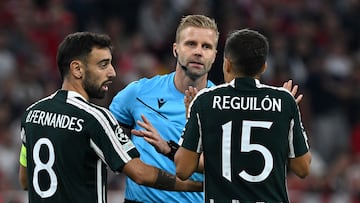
(314, 42)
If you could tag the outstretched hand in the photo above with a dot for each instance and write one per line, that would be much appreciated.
(189, 96)
(151, 135)
(293, 89)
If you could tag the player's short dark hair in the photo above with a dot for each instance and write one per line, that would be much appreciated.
(78, 46)
(247, 50)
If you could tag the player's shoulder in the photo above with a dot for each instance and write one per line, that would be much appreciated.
(278, 92)
(96, 113)
(41, 101)
(214, 90)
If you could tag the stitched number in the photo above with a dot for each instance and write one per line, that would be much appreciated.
(39, 166)
(246, 146)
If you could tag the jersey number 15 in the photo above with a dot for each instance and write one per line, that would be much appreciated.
(246, 146)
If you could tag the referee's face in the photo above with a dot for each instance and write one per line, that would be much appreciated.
(99, 73)
(196, 51)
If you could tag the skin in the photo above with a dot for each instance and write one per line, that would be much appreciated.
(91, 80)
(196, 49)
(22, 177)
(186, 161)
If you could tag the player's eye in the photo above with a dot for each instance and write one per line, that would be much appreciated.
(104, 64)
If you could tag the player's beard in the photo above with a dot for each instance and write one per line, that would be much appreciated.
(92, 89)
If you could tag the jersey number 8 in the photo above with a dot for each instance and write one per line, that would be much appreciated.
(39, 165)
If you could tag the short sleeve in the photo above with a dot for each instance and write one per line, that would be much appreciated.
(121, 104)
(109, 141)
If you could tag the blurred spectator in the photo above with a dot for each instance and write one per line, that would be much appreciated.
(314, 42)
(156, 25)
(7, 58)
(329, 91)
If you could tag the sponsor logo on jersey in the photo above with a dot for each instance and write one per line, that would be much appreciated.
(161, 102)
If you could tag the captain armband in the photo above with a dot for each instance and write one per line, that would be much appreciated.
(22, 158)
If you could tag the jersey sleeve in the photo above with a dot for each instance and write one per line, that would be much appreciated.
(120, 106)
(191, 136)
(298, 141)
(110, 142)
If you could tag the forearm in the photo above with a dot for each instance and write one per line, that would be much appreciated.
(147, 175)
(167, 181)
(301, 165)
(173, 148)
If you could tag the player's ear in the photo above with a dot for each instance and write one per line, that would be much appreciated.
(263, 68)
(227, 70)
(227, 65)
(75, 69)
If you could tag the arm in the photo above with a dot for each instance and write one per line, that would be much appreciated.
(23, 177)
(200, 167)
(147, 175)
(152, 136)
(186, 162)
(301, 165)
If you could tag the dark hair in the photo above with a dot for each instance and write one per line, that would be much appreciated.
(78, 46)
(247, 50)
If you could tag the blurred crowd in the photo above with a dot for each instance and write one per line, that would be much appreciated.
(314, 42)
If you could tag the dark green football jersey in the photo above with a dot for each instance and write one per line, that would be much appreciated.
(68, 141)
(247, 132)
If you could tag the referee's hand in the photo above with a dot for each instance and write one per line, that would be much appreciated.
(189, 96)
(293, 89)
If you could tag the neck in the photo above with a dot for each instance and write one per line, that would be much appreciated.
(76, 88)
(182, 81)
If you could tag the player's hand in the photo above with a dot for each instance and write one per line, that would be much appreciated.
(189, 96)
(151, 135)
(293, 89)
